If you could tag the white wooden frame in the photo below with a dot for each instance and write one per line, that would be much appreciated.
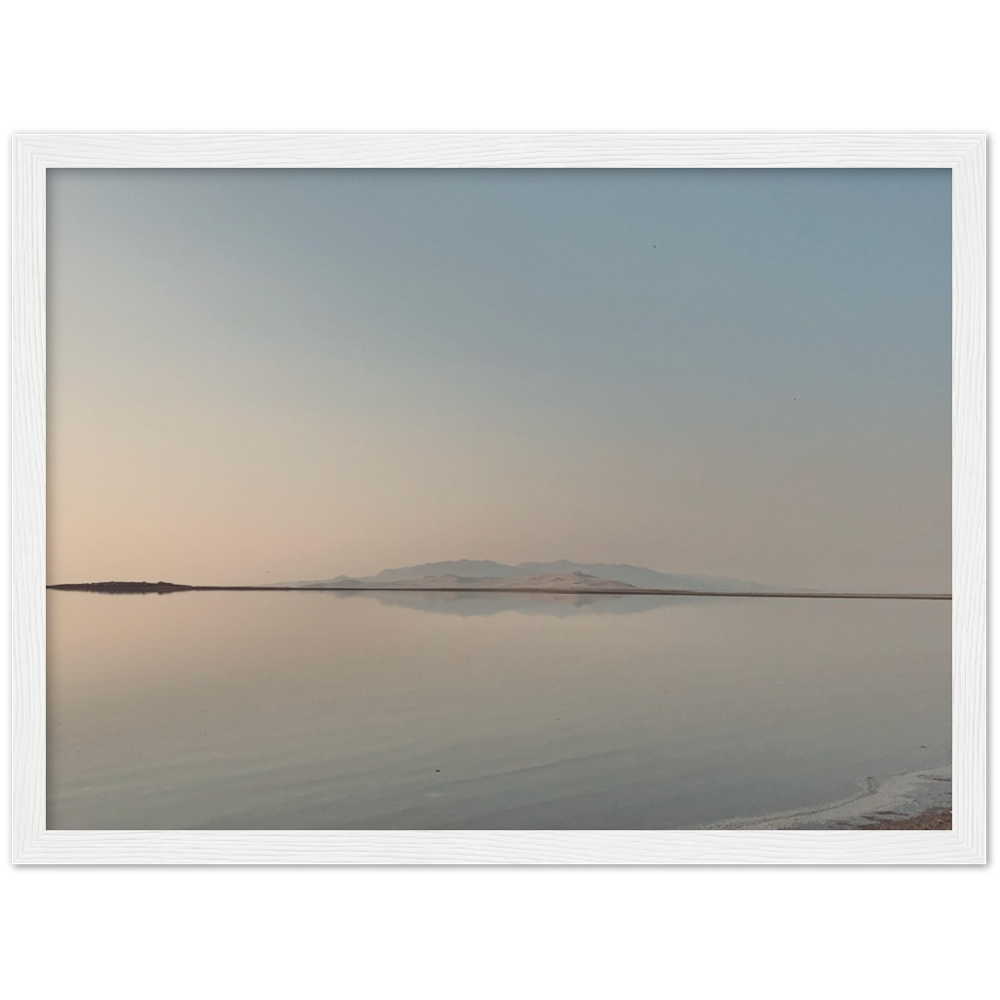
(964, 154)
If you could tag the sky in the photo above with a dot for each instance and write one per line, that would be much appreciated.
(269, 375)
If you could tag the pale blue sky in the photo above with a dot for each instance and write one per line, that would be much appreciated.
(303, 373)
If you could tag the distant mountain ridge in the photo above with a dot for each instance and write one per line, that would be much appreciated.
(542, 581)
(561, 573)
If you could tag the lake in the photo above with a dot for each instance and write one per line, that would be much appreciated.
(300, 710)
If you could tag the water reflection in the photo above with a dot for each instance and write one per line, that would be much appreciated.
(480, 603)
(485, 603)
(323, 710)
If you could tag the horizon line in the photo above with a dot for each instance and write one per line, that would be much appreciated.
(162, 586)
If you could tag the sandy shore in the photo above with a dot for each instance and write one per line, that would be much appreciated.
(917, 800)
(929, 819)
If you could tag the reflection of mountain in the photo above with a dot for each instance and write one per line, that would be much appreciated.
(467, 603)
(560, 575)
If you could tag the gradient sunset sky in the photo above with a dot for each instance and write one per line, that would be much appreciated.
(267, 375)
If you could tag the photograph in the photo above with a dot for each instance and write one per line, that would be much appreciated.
(496, 499)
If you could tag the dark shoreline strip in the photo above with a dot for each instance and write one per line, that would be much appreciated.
(636, 592)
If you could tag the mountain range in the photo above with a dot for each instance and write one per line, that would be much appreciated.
(559, 575)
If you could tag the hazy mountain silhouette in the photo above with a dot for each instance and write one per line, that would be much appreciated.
(471, 572)
(545, 581)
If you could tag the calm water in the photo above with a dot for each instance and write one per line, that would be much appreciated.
(318, 710)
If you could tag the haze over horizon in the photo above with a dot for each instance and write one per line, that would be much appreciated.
(262, 375)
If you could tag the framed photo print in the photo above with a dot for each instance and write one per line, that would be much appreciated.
(520, 499)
